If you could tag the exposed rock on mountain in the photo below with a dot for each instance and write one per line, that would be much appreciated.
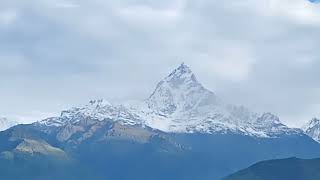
(33, 147)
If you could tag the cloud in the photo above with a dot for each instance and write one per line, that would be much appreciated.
(7, 17)
(66, 5)
(231, 63)
(296, 10)
(31, 117)
(146, 14)
(262, 54)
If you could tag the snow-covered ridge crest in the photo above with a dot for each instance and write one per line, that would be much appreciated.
(96, 110)
(179, 104)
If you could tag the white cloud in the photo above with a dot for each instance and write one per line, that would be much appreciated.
(31, 117)
(147, 14)
(296, 11)
(7, 17)
(229, 63)
(66, 5)
(121, 49)
(12, 63)
(143, 14)
(299, 11)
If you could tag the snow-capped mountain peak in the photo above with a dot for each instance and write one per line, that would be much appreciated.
(312, 128)
(180, 92)
(181, 75)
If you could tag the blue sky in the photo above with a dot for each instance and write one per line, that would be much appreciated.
(315, 1)
(59, 53)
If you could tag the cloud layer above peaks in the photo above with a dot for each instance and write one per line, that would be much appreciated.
(58, 53)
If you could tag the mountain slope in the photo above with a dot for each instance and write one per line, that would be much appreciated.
(312, 129)
(292, 168)
(106, 148)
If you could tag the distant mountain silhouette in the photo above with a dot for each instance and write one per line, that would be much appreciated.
(285, 169)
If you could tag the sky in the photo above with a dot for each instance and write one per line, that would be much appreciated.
(56, 54)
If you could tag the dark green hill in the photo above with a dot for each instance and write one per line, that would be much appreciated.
(285, 169)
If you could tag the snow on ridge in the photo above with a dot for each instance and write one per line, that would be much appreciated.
(179, 104)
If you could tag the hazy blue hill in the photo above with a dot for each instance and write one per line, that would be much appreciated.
(38, 167)
(285, 169)
(218, 155)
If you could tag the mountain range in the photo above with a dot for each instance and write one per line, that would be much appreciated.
(180, 104)
(181, 131)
